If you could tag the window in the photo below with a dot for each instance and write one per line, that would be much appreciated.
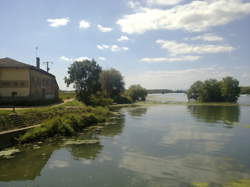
(15, 84)
(13, 94)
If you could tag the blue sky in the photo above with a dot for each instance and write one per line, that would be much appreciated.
(155, 43)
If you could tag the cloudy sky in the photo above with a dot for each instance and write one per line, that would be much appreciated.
(155, 43)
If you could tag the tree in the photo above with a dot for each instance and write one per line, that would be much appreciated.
(84, 75)
(194, 92)
(111, 83)
(137, 93)
(230, 90)
(211, 90)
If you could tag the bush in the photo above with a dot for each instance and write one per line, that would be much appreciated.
(66, 125)
(99, 100)
(122, 100)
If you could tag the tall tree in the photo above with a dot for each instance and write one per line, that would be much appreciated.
(84, 75)
(194, 92)
(211, 91)
(230, 89)
(112, 83)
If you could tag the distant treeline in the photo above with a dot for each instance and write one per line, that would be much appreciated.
(163, 91)
(245, 90)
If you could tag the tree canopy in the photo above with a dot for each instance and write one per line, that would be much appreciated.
(111, 83)
(137, 93)
(226, 90)
(84, 75)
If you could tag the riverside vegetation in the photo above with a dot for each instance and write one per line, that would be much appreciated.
(95, 91)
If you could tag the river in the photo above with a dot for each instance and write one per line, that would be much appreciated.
(146, 146)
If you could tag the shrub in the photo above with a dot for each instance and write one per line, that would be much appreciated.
(65, 126)
(99, 100)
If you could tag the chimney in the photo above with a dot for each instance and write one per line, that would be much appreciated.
(37, 62)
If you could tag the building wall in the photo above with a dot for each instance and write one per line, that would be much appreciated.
(14, 80)
(42, 86)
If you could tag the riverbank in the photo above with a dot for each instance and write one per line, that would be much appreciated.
(67, 119)
(29, 117)
(40, 123)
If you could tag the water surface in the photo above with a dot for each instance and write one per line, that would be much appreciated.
(159, 145)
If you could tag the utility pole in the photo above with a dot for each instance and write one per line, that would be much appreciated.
(47, 64)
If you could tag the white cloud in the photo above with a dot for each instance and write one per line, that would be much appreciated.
(102, 58)
(194, 17)
(104, 29)
(58, 164)
(58, 22)
(183, 48)
(163, 2)
(122, 38)
(207, 37)
(172, 59)
(64, 58)
(84, 24)
(113, 48)
(175, 79)
(134, 4)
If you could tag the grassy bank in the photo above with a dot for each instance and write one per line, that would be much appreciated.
(66, 125)
(28, 117)
(66, 94)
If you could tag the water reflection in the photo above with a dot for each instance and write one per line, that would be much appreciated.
(26, 165)
(137, 112)
(179, 171)
(114, 127)
(89, 151)
(212, 114)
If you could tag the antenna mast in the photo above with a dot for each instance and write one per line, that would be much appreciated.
(47, 64)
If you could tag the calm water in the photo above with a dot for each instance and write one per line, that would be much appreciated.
(160, 145)
(181, 97)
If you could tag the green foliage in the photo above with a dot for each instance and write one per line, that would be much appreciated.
(137, 93)
(195, 90)
(28, 117)
(226, 90)
(245, 90)
(211, 91)
(84, 75)
(122, 99)
(66, 95)
(66, 125)
(100, 100)
(111, 83)
(230, 90)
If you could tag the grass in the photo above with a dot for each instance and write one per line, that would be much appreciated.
(28, 117)
(66, 125)
(66, 95)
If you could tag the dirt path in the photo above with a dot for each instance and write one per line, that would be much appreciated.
(52, 105)
(19, 129)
